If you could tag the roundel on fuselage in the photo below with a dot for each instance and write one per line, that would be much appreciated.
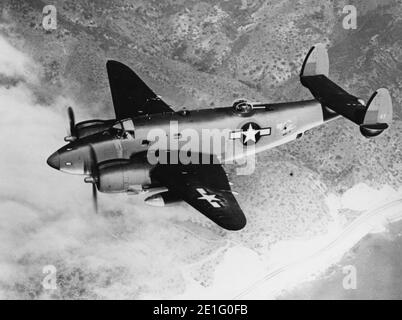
(251, 133)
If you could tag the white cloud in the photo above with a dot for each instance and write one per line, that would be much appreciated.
(46, 217)
(362, 197)
(14, 63)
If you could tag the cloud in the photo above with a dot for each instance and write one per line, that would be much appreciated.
(14, 63)
(46, 217)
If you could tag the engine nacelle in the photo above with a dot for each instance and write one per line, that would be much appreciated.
(162, 199)
(122, 175)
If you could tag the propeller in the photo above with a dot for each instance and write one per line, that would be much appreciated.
(73, 130)
(91, 167)
(95, 197)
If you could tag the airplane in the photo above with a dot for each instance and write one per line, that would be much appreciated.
(113, 154)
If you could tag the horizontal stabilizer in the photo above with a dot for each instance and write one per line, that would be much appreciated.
(372, 118)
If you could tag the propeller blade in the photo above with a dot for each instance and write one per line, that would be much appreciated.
(92, 168)
(71, 118)
(93, 165)
(95, 197)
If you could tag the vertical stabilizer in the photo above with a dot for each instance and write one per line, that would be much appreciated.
(316, 62)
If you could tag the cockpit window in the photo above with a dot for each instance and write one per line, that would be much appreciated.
(118, 126)
(125, 128)
(128, 125)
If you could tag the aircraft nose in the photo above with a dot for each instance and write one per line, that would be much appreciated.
(54, 161)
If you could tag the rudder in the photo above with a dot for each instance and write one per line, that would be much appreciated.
(316, 62)
(378, 114)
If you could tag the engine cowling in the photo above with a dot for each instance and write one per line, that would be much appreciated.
(122, 175)
(162, 199)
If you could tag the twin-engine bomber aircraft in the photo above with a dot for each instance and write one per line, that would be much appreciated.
(112, 154)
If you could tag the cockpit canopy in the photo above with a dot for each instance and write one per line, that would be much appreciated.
(242, 107)
(126, 127)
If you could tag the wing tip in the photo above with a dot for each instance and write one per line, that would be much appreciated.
(115, 63)
(236, 225)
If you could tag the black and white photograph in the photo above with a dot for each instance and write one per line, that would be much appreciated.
(200, 150)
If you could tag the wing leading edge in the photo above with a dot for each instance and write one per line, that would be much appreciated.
(131, 96)
(206, 188)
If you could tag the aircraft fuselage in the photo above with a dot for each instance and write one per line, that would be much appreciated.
(265, 126)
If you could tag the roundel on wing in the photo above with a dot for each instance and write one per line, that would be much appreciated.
(251, 133)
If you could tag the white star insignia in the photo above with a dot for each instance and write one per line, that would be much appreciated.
(250, 134)
(211, 198)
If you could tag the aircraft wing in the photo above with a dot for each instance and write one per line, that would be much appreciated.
(131, 96)
(206, 188)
